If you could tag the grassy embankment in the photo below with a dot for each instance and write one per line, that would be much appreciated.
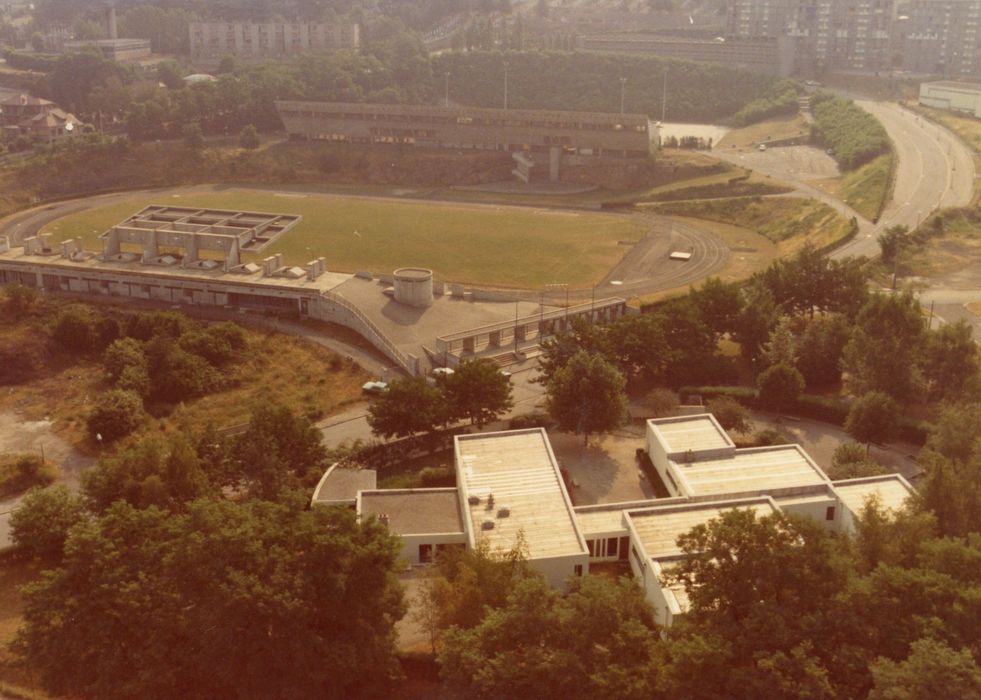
(787, 222)
(465, 243)
(866, 189)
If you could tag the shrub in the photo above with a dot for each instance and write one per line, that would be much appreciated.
(730, 414)
(210, 346)
(41, 524)
(780, 385)
(116, 414)
(19, 300)
(661, 402)
(248, 138)
(530, 420)
(121, 354)
(855, 135)
(769, 437)
(74, 330)
(437, 476)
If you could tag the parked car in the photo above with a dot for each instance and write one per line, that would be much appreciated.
(762, 146)
(374, 388)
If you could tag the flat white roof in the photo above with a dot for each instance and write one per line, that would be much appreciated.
(658, 528)
(600, 519)
(891, 489)
(415, 511)
(518, 468)
(695, 433)
(754, 469)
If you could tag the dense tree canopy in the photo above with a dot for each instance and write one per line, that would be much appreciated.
(587, 396)
(225, 600)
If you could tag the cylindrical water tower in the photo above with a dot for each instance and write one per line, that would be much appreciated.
(414, 286)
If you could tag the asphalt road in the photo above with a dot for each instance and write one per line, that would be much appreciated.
(935, 169)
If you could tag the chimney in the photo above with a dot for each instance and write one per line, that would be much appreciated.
(111, 22)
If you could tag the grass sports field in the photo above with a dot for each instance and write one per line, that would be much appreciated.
(516, 247)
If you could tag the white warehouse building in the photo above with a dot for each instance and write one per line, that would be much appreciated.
(953, 96)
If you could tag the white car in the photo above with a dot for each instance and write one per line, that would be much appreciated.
(375, 388)
(762, 146)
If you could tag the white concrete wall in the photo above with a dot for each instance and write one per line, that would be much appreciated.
(410, 544)
(817, 509)
(558, 569)
(951, 98)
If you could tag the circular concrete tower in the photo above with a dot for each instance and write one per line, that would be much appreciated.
(414, 286)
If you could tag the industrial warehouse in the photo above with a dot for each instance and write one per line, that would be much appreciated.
(510, 490)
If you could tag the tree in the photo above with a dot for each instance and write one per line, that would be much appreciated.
(719, 304)
(819, 350)
(731, 414)
(40, 525)
(559, 349)
(170, 74)
(37, 42)
(477, 390)
(226, 64)
(885, 350)
(410, 406)
(248, 138)
(225, 600)
(278, 447)
(20, 300)
(891, 243)
(932, 670)
(637, 345)
(598, 641)
(193, 137)
(74, 330)
(764, 617)
(153, 472)
(780, 386)
(116, 413)
(782, 346)
(950, 360)
(587, 396)
(873, 417)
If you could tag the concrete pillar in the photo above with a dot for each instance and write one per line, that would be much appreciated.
(150, 249)
(494, 338)
(522, 332)
(190, 249)
(468, 344)
(554, 159)
(232, 257)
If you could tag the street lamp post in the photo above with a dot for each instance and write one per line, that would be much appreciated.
(623, 85)
(446, 88)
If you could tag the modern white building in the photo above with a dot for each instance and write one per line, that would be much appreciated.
(953, 96)
(510, 491)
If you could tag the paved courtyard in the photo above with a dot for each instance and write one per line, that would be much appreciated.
(607, 470)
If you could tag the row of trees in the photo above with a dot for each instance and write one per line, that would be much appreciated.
(855, 135)
(477, 391)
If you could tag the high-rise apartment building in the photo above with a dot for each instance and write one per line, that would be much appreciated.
(269, 40)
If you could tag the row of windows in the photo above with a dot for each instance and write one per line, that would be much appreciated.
(465, 120)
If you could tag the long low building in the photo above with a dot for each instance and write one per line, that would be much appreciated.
(543, 136)
(953, 96)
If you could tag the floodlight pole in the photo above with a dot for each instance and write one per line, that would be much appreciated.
(446, 88)
(505, 85)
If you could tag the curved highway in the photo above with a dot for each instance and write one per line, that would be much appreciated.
(934, 169)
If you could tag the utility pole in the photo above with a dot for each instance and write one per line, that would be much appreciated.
(505, 85)
(516, 325)
(664, 96)
(446, 88)
(623, 84)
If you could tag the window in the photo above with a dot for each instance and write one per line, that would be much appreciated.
(578, 569)
(425, 554)
(611, 547)
(829, 514)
